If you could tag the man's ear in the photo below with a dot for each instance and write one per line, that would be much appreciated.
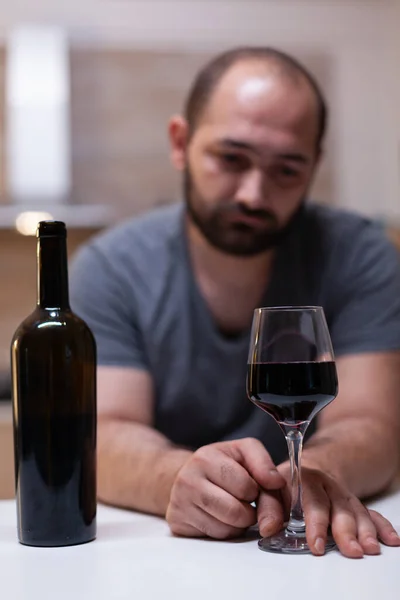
(178, 132)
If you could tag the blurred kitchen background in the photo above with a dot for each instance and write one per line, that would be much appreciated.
(86, 89)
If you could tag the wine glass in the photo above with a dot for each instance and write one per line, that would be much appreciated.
(291, 375)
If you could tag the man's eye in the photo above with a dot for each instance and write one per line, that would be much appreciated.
(233, 161)
(288, 172)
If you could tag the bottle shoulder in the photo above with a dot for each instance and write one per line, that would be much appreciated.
(52, 322)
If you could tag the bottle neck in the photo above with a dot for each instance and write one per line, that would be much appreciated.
(52, 272)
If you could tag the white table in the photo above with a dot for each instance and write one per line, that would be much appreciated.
(135, 558)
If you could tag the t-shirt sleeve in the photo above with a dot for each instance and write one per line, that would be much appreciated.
(99, 296)
(365, 303)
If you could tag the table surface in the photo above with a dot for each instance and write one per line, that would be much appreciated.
(135, 557)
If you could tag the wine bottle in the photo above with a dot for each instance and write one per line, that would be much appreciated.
(53, 362)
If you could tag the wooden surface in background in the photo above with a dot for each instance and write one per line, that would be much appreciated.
(7, 485)
(3, 183)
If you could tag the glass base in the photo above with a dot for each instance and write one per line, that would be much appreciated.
(288, 543)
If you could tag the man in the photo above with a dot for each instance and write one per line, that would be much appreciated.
(170, 297)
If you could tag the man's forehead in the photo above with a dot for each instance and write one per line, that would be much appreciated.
(240, 89)
(251, 87)
(262, 98)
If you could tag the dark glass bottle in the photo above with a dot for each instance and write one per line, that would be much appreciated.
(53, 360)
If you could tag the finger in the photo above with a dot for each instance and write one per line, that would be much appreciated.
(316, 506)
(366, 530)
(270, 513)
(225, 508)
(184, 530)
(209, 526)
(227, 474)
(385, 530)
(177, 525)
(252, 454)
(344, 525)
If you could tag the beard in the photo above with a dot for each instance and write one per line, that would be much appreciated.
(238, 239)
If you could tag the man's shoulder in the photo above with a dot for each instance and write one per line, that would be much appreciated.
(151, 230)
(335, 219)
(343, 229)
(143, 248)
(351, 243)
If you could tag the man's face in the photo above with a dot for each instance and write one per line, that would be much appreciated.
(250, 161)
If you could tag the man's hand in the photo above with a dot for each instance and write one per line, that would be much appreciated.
(212, 493)
(327, 503)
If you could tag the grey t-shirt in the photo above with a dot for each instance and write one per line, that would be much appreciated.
(134, 287)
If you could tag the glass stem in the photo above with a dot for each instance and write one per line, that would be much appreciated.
(294, 439)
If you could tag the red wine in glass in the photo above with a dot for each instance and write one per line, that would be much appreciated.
(292, 392)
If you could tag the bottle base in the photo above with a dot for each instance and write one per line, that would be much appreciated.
(46, 542)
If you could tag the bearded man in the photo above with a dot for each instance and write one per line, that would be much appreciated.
(170, 297)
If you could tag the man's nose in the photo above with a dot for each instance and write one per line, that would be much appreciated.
(253, 190)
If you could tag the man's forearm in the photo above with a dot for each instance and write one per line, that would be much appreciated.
(361, 453)
(136, 466)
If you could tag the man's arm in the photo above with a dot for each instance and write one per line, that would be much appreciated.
(136, 464)
(207, 492)
(358, 438)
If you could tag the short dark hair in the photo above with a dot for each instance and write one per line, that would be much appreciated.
(211, 74)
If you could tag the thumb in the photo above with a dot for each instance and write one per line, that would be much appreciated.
(253, 456)
(270, 512)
